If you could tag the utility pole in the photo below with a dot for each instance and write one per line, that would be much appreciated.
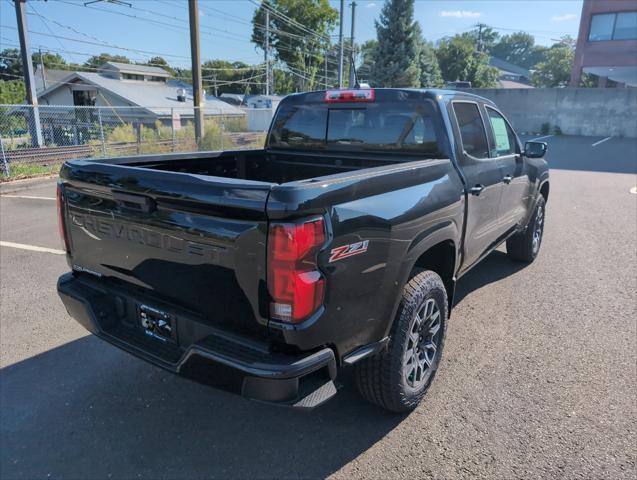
(340, 41)
(480, 27)
(29, 82)
(42, 70)
(352, 59)
(197, 87)
(326, 83)
(267, 51)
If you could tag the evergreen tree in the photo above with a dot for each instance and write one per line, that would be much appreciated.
(430, 75)
(396, 59)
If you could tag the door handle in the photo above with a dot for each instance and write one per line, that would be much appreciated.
(477, 190)
(507, 179)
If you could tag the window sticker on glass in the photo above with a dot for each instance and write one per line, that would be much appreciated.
(500, 133)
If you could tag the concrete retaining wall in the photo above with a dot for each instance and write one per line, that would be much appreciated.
(577, 111)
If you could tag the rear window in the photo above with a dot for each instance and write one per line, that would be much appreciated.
(378, 126)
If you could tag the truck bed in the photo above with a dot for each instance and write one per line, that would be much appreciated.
(258, 165)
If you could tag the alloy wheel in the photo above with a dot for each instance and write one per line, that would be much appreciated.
(422, 346)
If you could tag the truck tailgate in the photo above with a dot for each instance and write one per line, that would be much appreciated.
(198, 242)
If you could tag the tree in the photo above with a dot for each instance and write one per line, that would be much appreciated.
(10, 64)
(555, 69)
(291, 25)
(519, 49)
(367, 53)
(429, 69)
(396, 59)
(484, 38)
(284, 82)
(97, 61)
(459, 60)
(332, 64)
(161, 63)
(221, 76)
(12, 91)
(50, 60)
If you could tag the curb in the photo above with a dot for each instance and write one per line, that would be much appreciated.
(19, 185)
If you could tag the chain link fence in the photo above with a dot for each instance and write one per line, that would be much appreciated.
(36, 140)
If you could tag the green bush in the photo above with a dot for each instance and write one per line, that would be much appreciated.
(211, 136)
(122, 134)
(236, 124)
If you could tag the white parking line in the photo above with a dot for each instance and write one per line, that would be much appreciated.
(601, 141)
(33, 248)
(539, 138)
(29, 197)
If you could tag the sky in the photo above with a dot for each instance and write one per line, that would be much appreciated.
(160, 27)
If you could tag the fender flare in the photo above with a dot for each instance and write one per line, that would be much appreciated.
(447, 232)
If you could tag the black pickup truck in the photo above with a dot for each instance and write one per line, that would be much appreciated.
(264, 272)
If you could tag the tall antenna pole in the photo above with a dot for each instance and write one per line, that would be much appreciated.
(29, 81)
(267, 51)
(197, 87)
(340, 41)
(352, 60)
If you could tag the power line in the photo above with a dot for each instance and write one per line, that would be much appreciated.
(147, 52)
(43, 20)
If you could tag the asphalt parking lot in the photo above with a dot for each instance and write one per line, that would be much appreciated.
(538, 378)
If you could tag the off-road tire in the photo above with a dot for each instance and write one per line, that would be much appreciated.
(381, 379)
(520, 246)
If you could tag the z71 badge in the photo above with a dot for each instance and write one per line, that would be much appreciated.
(339, 253)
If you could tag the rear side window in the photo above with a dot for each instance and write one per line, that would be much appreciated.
(380, 126)
(472, 133)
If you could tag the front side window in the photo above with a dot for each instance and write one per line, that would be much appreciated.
(472, 133)
(503, 137)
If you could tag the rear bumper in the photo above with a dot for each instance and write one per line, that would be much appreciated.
(213, 357)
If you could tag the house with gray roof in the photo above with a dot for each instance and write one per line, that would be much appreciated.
(511, 76)
(139, 93)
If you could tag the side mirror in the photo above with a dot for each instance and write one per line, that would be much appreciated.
(535, 149)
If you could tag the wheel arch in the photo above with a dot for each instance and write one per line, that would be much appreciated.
(442, 259)
(544, 190)
(437, 252)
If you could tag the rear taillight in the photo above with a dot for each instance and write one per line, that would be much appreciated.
(347, 96)
(61, 224)
(294, 281)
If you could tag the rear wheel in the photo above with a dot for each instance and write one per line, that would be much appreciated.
(398, 378)
(524, 246)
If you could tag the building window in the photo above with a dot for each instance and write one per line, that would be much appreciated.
(132, 76)
(626, 26)
(156, 79)
(84, 98)
(613, 26)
